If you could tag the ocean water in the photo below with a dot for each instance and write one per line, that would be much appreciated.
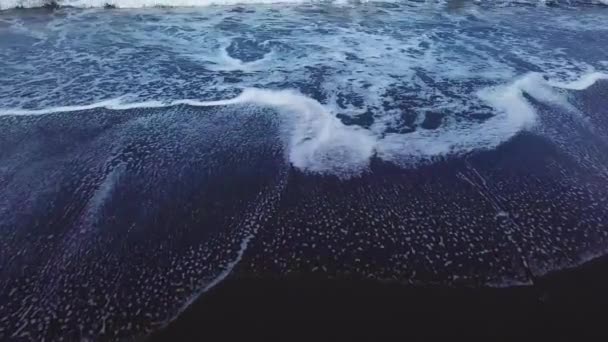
(152, 149)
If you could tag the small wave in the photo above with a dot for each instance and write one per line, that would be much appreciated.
(320, 143)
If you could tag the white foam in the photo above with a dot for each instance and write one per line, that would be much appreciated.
(582, 83)
(387, 77)
(224, 62)
(319, 142)
(114, 104)
(514, 114)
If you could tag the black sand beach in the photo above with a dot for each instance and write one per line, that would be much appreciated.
(568, 305)
(411, 169)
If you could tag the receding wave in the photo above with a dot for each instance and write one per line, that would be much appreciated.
(320, 143)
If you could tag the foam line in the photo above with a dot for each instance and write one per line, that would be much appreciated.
(319, 142)
(582, 83)
(113, 104)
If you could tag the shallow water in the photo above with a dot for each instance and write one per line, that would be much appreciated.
(146, 154)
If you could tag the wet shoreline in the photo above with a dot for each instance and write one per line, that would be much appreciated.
(564, 304)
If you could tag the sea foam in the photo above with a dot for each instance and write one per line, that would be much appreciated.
(320, 143)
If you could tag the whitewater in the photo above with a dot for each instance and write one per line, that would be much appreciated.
(352, 61)
(320, 143)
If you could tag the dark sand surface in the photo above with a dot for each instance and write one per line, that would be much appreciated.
(568, 305)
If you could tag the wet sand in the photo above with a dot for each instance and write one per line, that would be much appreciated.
(567, 305)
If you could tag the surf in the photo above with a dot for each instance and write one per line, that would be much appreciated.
(320, 143)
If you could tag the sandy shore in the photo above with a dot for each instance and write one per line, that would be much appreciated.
(567, 304)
